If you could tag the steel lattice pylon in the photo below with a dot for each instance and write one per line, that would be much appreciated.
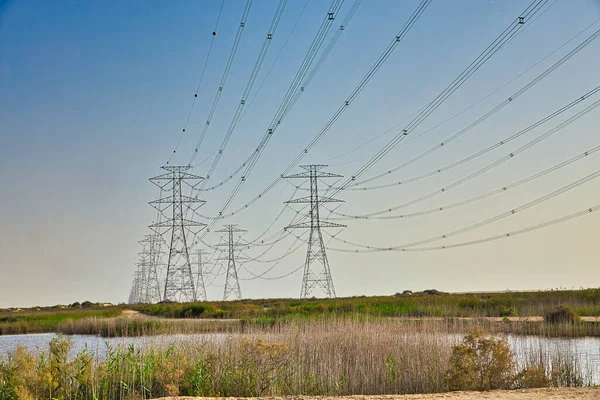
(200, 287)
(232, 283)
(135, 295)
(179, 280)
(315, 276)
(150, 262)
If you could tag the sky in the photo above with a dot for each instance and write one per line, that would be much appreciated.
(94, 96)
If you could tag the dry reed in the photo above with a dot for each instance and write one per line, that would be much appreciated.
(320, 357)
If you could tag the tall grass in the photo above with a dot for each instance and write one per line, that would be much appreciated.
(320, 357)
(12, 323)
(140, 326)
(424, 304)
(430, 304)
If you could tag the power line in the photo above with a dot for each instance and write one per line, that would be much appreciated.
(295, 89)
(491, 50)
(233, 52)
(502, 189)
(210, 46)
(487, 221)
(276, 59)
(369, 141)
(487, 115)
(256, 94)
(499, 161)
(381, 60)
(506, 235)
(249, 85)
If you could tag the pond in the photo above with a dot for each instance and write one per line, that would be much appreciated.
(585, 351)
(95, 344)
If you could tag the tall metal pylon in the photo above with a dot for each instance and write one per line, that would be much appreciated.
(151, 262)
(317, 273)
(135, 295)
(179, 279)
(232, 283)
(200, 288)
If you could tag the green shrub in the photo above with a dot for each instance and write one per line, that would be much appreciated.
(508, 312)
(532, 377)
(480, 363)
(561, 315)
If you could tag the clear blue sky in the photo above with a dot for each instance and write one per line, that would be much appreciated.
(93, 96)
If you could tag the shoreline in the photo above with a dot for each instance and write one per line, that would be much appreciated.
(563, 393)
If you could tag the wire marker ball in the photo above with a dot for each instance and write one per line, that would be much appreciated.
(214, 33)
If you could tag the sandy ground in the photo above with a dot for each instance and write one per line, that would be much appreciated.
(530, 394)
(131, 314)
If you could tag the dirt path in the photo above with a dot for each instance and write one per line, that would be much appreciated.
(530, 394)
(132, 314)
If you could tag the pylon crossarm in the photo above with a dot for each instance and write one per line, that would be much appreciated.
(313, 167)
(163, 177)
(162, 186)
(321, 224)
(169, 224)
(176, 168)
(301, 175)
(170, 200)
(187, 176)
(309, 200)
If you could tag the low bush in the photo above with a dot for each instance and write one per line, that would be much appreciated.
(509, 312)
(561, 315)
(481, 363)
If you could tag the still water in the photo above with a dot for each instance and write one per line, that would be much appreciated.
(95, 344)
(584, 351)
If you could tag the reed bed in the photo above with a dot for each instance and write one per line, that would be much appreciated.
(344, 356)
(144, 326)
(151, 326)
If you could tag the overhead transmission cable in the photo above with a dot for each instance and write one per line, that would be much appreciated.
(478, 154)
(361, 146)
(266, 77)
(262, 83)
(509, 100)
(290, 250)
(249, 85)
(499, 161)
(271, 278)
(232, 53)
(387, 52)
(408, 246)
(210, 46)
(300, 83)
(482, 196)
(506, 235)
(491, 50)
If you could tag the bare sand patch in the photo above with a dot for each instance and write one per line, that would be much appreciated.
(592, 393)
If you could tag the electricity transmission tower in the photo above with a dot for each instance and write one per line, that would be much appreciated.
(317, 273)
(179, 280)
(232, 283)
(150, 262)
(201, 289)
(135, 294)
